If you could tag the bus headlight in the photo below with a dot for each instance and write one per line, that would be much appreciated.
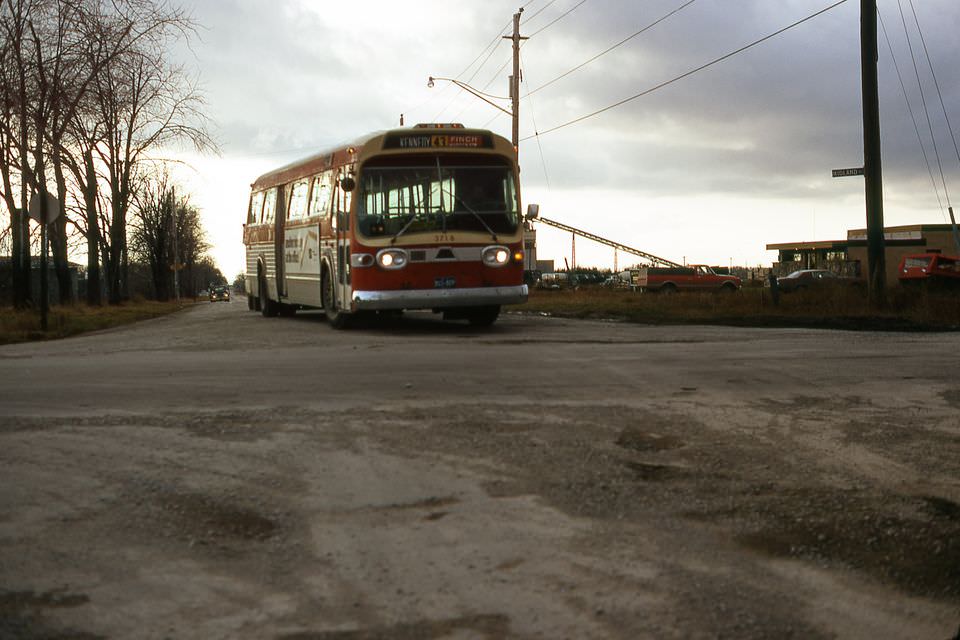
(495, 256)
(392, 258)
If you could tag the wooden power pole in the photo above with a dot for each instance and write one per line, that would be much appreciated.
(872, 171)
(515, 81)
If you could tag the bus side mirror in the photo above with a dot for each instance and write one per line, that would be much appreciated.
(533, 210)
(348, 184)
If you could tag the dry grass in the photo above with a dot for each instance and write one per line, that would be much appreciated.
(64, 321)
(843, 308)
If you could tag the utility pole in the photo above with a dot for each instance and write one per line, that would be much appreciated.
(44, 286)
(515, 80)
(956, 234)
(872, 170)
(176, 237)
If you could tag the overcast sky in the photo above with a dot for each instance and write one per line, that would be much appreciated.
(708, 169)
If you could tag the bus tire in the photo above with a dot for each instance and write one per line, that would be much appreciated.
(268, 307)
(337, 319)
(483, 316)
(288, 310)
(251, 304)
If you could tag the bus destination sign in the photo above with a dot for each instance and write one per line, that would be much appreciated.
(438, 141)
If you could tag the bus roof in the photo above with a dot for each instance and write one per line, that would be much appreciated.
(375, 142)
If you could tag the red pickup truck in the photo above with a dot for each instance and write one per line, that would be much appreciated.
(935, 268)
(696, 277)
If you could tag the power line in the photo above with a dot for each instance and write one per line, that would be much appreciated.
(692, 71)
(935, 83)
(606, 51)
(496, 74)
(557, 19)
(492, 49)
(503, 66)
(923, 101)
(537, 12)
(913, 118)
(533, 118)
(496, 43)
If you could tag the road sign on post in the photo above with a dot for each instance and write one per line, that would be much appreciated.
(53, 208)
(846, 173)
(44, 209)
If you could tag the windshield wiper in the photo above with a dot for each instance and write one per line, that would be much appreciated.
(393, 240)
(475, 215)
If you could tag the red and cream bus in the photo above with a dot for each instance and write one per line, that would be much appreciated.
(417, 218)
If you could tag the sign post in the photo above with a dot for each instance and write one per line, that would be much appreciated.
(44, 209)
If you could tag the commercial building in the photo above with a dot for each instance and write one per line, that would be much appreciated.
(849, 257)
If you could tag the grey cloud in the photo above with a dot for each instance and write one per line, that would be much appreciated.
(280, 78)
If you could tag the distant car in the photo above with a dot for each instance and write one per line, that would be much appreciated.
(220, 293)
(810, 279)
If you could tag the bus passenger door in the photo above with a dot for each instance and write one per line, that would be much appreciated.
(341, 224)
(279, 251)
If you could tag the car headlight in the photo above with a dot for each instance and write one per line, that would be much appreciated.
(392, 258)
(495, 256)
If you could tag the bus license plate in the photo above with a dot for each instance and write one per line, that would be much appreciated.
(444, 283)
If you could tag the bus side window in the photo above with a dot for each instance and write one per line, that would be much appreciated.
(298, 200)
(269, 205)
(256, 208)
(320, 195)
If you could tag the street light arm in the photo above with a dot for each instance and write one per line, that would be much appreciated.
(472, 91)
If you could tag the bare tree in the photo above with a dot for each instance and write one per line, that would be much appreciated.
(85, 87)
(166, 234)
(192, 247)
(15, 67)
(152, 229)
(144, 103)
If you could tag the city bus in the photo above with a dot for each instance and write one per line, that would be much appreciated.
(426, 217)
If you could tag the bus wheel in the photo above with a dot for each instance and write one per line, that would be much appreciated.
(483, 316)
(251, 303)
(337, 319)
(268, 307)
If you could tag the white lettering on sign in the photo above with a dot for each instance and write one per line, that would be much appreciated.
(845, 173)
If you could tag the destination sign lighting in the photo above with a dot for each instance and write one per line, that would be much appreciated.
(438, 125)
(440, 141)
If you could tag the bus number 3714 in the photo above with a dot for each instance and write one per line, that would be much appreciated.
(419, 218)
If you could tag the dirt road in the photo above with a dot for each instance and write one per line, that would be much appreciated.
(217, 474)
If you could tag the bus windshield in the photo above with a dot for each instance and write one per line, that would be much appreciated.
(437, 194)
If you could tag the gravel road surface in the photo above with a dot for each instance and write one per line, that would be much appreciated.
(217, 474)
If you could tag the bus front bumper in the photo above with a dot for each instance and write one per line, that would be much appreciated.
(439, 298)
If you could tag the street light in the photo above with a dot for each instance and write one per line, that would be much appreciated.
(514, 111)
(476, 92)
